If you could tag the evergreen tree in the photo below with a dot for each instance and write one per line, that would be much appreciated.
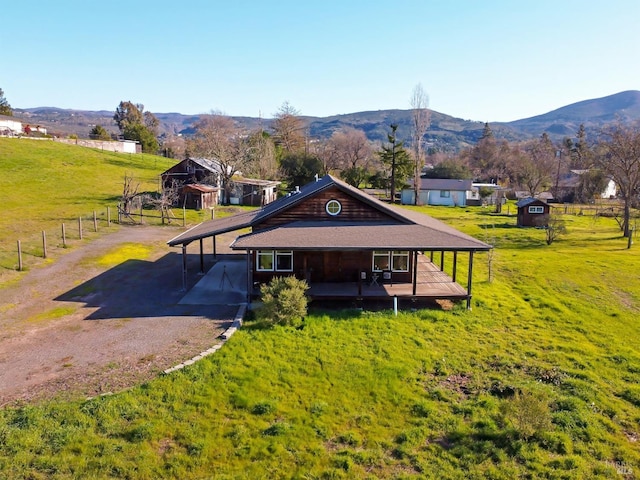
(5, 108)
(99, 133)
(397, 160)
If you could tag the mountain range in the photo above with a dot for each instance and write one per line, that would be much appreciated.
(446, 133)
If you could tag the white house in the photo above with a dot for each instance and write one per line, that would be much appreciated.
(10, 125)
(439, 191)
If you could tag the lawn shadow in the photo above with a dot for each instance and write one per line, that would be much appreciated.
(139, 288)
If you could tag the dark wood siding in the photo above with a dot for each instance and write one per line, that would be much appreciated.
(331, 267)
(526, 219)
(314, 209)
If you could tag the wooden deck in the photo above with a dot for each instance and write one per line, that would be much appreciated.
(431, 284)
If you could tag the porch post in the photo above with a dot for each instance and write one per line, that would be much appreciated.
(249, 278)
(415, 272)
(214, 248)
(201, 257)
(455, 264)
(431, 256)
(469, 280)
(184, 267)
(442, 261)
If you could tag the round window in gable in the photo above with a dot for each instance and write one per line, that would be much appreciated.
(333, 207)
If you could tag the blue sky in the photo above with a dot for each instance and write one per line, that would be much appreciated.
(479, 60)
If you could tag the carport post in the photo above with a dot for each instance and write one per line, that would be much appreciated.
(184, 267)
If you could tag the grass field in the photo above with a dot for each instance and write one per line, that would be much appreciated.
(541, 379)
(45, 184)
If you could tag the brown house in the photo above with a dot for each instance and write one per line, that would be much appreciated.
(253, 192)
(346, 244)
(196, 196)
(532, 212)
(193, 170)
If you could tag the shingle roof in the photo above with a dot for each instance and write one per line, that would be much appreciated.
(406, 229)
(214, 227)
(335, 235)
(528, 201)
(445, 184)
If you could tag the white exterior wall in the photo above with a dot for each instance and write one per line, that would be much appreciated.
(14, 125)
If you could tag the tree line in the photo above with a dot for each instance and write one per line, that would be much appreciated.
(286, 152)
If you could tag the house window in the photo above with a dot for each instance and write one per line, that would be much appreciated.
(278, 261)
(445, 193)
(536, 209)
(380, 261)
(400, 261)
(264, 261)
(284, 261)
(394, 261)
(333, 207)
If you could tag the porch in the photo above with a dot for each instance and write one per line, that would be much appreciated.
(431, 283)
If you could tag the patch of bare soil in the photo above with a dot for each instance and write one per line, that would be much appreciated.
(73, 328)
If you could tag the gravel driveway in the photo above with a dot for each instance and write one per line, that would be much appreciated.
(74, 329)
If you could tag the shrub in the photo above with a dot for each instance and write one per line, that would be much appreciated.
(284, 301)
(528, 413)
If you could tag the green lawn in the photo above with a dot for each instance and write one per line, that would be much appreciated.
(45, 184)
(541, 379)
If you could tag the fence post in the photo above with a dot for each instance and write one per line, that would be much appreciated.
(95, 222)
(64, 237)
(630, 241)
(108, 216)
(19, 256)
(80, 227)
(44, 244)
(141, 219)
(184, 217)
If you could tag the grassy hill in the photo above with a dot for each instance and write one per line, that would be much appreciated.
(45, 184)
(540, 380)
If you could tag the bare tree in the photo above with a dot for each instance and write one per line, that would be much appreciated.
(421, 119)
(260, 157)
(554, 226)
(168, 197)
(217, 138)
(620, 158)
(351, 153)
(533, 165)
(289, 129)
(129, 193)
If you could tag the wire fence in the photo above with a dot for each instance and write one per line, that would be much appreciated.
(27, 250)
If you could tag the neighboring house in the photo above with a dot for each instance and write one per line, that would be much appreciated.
(346, 244)
(532, 212)
(193, 170)
(196, 196)
(253, 192)
(10, 125)
(198, 180)
(570, 184)
(439, 191)
(475, 199)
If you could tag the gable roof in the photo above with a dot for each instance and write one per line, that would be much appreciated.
(210, 165)
(445, 184)
(405, 229)
(529, 201)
